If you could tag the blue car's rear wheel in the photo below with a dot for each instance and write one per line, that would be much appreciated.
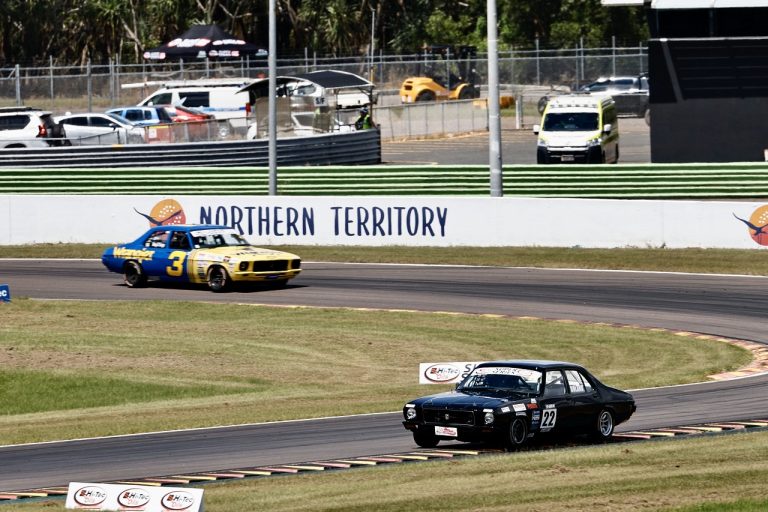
(133, 275)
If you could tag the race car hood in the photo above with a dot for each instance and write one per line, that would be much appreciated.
(242, 252)
(458, 400)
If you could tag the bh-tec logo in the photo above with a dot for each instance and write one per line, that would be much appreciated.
(5, 293)
(758, 225)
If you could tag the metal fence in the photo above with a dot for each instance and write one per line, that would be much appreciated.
(426, 119)
(660, 181)
(361, 147)
(95, 87)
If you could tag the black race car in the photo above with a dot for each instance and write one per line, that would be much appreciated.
(509, 402)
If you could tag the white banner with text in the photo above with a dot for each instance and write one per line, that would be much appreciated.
(393, 220)
(95, 496)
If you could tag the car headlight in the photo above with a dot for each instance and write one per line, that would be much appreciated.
(489, 418)
(410, 413)
(542, 143)
(594, 142)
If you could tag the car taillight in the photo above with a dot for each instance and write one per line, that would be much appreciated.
(42, 131)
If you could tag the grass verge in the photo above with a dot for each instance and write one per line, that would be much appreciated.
(724, 473)
(159, 365)
(723, 261)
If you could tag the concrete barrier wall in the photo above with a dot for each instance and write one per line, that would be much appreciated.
(380, 220)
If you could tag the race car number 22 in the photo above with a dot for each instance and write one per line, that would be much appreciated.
(548, 419)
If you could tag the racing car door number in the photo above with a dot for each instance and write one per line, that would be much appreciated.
(176, 269)
(548, 419)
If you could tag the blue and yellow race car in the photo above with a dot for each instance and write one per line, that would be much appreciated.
(216, 255)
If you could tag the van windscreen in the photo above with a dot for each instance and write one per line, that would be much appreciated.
(195, 99)
(570, 122)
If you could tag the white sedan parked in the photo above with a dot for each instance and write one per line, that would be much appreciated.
(95, 128)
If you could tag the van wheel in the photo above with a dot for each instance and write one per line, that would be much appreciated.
(648, 116)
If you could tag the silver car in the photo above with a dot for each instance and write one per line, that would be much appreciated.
(96, 128)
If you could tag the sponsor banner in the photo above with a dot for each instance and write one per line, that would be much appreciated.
(393, 220)
(5, 293)
(94, 496)
(445, 373)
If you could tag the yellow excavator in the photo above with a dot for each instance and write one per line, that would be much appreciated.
(446, 73)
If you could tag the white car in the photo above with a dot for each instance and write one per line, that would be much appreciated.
(96, 128)
(26, 127)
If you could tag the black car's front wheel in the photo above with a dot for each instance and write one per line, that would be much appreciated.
(605, 425)
(218, 279)
(425, 439)
(134, 275)
(517, 434)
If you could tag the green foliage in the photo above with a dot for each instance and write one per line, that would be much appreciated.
(75, 31)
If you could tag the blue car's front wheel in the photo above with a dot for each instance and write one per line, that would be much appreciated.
(134, 275)
(218, 279)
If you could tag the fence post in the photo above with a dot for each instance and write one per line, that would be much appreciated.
(117, 80)
(538, 64)
(613, 53)
(50, 75)
(90, 86)
(18, 85)
(640, 53)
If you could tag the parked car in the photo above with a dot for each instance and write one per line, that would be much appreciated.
(27, 127)
(156, 119)
(216, 255)
(143, 116)
(179, 114)
(629, 92)
(510, 402)
(96, 128)
(199, 126)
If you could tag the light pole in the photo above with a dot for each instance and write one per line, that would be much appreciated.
(272, 65)
(494, 119)
(373, 31)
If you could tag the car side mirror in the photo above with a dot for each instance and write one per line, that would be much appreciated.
(607, 128)
(536, 129)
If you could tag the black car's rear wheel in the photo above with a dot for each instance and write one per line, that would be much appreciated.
(517, 434)
(425, 439)
(133, 275)
(218, 279)
(605, 425)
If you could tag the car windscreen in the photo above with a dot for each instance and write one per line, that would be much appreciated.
(506, 379)
(570, 122)
(209, 238)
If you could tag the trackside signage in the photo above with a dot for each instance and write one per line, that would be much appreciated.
(5, 293)
(445, 373)
(438, 221)
(94, 496)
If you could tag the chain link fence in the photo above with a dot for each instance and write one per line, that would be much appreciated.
(96, 87)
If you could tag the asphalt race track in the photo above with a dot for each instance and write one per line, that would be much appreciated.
(733, 306)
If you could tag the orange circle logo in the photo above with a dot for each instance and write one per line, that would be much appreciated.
(167, 212)
(759, 228)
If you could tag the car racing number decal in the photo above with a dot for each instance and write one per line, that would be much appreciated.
(176, 268)
(548, 419)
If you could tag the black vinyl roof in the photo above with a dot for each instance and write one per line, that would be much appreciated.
(327, 79)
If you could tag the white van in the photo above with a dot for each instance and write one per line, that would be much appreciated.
(220, 98)
(578, 128)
